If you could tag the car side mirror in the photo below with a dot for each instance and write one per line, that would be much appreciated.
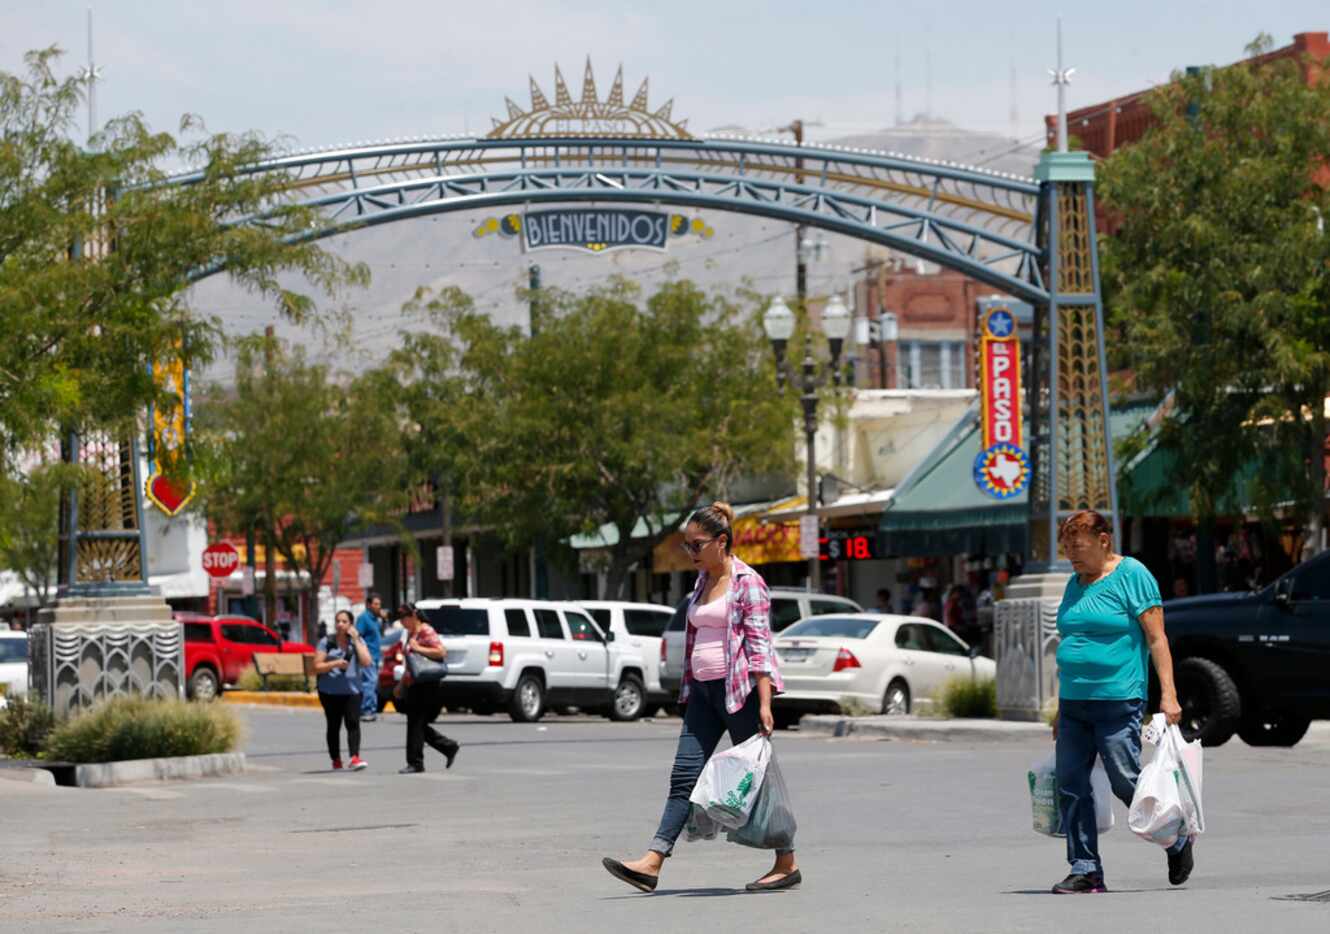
(974, 651)
(1284, 591)
(609, 637)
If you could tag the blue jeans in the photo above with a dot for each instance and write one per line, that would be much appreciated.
(369, 689)
(1110, 729)
(704, 721)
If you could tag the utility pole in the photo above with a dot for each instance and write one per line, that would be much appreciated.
(800, 231)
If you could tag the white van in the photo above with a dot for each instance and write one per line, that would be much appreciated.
(526, 655)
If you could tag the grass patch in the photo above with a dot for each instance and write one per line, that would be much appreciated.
(144, 728)
(968, 697)
(854, 707)
(251, 680)
(24, 726)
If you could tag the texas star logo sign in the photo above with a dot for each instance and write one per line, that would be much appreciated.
(1002, 471)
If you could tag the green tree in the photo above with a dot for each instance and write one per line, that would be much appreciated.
(96, 253)
(30, 525)
(1218, 276)
(300, 456)
(616, 412)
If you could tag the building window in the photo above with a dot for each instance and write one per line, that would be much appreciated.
(934, 365)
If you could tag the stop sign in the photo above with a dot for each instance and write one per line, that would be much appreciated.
(220, 559)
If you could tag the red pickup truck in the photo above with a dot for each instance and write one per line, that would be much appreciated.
(219, 648)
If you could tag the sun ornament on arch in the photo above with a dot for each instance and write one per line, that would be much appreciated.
(589, 116)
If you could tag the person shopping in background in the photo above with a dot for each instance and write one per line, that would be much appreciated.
(729, 676)
(370, 627)
(338, 661)
(422, 701)
(1111, 618)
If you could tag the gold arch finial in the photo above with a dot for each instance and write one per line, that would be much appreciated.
(589, 116)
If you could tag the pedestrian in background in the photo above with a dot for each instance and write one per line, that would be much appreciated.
(1110, 621)
(338, 661)
(729, 676)
(370, 629)
(422, 701)
(883, 604)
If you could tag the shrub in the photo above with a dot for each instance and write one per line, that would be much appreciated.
(251, 680)
(969, 697)
(854, 707)
(24, 725)
(144, 728)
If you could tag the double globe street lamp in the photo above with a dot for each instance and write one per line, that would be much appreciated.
(779, 324)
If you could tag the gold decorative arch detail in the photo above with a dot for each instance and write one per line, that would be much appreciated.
(588, 115)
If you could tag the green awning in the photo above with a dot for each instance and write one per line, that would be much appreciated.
(1149, 487)
(938, 509)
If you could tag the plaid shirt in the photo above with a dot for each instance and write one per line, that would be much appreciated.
(748, 648)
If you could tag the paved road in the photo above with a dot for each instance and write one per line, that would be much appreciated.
(898, 836)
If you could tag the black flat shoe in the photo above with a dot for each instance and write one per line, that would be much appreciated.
(450, 754)
(1181, 864)
(638, 880)
(411, 770)
(788, 881)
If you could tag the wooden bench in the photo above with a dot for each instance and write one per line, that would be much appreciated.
(283, 663)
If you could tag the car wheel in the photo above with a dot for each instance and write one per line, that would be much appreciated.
(629, 699)
(203, 685)
(1273, 729)
(528, 703)
(1210, 702)
(896, 702)
(784, 719)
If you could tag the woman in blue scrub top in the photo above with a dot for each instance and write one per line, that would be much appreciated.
(1110, 620)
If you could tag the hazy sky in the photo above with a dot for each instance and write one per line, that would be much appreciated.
(335, 71)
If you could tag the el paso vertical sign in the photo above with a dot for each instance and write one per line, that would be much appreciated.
(1000, 379)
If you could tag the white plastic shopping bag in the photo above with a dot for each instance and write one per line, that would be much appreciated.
(1043, 781)
(729, 784)
(1167, 803)
(771, 826)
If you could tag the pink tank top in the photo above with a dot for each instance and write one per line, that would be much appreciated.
(710, 620)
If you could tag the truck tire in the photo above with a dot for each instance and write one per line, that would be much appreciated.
(528, 702)
(630, 699)
(1273, 729)
(1211, 706)
(204, 685)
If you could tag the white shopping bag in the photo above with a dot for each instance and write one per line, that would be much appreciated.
(1167, 803)
(729, 784)
(1043, 780)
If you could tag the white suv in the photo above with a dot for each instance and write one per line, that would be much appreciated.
(641, 626)
(528, 654)
(787, 606)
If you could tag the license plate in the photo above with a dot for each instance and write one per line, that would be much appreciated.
(794, 655)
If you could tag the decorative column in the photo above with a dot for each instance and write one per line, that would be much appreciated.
(109, 633)
(1070, 447)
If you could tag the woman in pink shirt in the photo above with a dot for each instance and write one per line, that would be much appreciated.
(729, 677)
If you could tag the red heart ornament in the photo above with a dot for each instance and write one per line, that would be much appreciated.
(167, 496)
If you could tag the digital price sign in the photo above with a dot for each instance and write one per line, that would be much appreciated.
(849, 545)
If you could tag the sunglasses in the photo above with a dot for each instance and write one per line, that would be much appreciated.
(695, 548)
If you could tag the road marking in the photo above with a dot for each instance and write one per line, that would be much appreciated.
(241, 787)
(152, 794)
(443, 777)
(340, 782)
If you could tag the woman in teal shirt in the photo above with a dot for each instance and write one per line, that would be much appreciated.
(1110, 620)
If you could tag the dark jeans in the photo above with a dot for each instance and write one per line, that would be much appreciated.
(704, 721)
(1111, 730)
(339, 709)
(423, 703)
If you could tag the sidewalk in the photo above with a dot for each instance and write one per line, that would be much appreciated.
(923, 728)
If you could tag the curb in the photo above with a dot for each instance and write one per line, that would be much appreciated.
(921, 729)
(110, 774)
(271, 698)
(28, 776)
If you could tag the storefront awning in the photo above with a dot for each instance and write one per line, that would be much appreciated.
(938, 509)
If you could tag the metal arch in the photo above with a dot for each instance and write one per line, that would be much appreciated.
(980, 223)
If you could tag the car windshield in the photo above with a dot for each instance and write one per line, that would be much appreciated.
(13, 650)
(458, 621)
(835, 627)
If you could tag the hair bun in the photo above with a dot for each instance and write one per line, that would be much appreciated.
(726, 510)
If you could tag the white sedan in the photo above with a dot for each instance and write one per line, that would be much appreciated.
(883, 662)
(14, 662)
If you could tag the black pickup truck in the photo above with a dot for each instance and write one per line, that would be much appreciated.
(1256, 664)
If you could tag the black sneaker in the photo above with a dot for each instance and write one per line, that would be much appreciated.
(1078, 884)
(411, 770)
(1180, 864)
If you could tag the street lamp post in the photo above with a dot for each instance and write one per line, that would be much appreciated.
(778, 322)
